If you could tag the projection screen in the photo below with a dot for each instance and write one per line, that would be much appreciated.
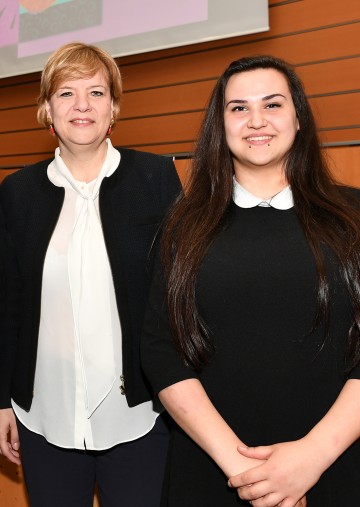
(31, 29)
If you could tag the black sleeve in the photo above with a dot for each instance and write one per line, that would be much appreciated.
(160, 360)
(10, 291)
(355, 373)
(353, 195)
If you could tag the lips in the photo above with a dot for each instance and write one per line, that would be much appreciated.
(82, 121)
(254, 139)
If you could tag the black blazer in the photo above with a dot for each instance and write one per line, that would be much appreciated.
(3, 265)
(132, 202)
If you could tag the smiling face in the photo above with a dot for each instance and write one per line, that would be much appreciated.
(81, 112)
(260, 120)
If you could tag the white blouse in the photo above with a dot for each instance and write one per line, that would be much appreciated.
(77, 399)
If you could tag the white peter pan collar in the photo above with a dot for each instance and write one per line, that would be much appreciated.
(244, 199)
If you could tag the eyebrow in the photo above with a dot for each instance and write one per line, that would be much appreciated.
(267, 97)
(88, 88)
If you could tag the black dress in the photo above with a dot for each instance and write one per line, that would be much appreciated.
(271, 377)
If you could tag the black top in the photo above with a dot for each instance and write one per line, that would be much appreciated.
(132, 202)
(271, 378)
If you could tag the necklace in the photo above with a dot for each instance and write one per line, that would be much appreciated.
(267, 202)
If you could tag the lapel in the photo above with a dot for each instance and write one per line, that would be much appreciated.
(112, 214)
(46, 207)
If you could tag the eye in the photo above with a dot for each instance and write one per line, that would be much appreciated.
(65, 94)
(273, 105)
(239, 108)
(97, 93)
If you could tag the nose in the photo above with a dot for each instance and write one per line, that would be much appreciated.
(257, 119)
(82, 102)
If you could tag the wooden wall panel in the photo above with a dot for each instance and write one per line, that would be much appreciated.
(16, 119)
(344, 164)
(20, 94)
(335, 42)
(331, 77)
(336, 111)
(345, 137)
(166, 93)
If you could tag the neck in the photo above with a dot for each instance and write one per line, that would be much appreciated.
(263, 184)
(84, 162)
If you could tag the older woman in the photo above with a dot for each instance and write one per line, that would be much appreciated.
(260, 343)
(83, 224)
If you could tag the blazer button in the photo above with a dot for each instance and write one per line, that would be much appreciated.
(122, 385)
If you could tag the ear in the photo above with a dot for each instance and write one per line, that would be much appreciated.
(297, 124)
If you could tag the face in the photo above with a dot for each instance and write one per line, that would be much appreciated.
(260, 120)
(81, 112)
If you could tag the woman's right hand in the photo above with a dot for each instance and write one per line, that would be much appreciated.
(9, 437)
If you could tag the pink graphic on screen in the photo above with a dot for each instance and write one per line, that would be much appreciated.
(9, 22)
(43, 25)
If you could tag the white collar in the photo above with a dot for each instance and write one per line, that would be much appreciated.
(59, 174)
(244, 199)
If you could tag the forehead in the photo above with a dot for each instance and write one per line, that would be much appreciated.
(84, 81)
(256, 83)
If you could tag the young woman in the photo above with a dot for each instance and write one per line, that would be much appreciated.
(252, 337)
(82, 225)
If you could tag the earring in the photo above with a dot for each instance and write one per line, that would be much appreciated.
(109, 130)
(51, 126)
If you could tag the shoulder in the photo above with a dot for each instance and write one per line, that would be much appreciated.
(148, 172)
(30, 173)
(28, 187)
(350, 194)
(155, 169)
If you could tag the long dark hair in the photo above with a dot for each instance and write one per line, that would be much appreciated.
(327, 214)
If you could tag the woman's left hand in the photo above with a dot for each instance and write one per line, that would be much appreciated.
(290, 470)
(301, 503)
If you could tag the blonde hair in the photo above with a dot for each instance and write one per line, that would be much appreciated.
(76, 61)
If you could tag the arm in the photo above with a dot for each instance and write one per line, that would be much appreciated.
(10, 304)
(292, 468)
(180, 391)
(189, 405)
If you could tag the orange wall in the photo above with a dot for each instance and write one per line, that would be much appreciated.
(166, 93)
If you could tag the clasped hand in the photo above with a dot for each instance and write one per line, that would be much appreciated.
(289, 471)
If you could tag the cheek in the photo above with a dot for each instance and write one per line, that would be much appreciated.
(231, 127)
(234, 133)
(229, 136)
